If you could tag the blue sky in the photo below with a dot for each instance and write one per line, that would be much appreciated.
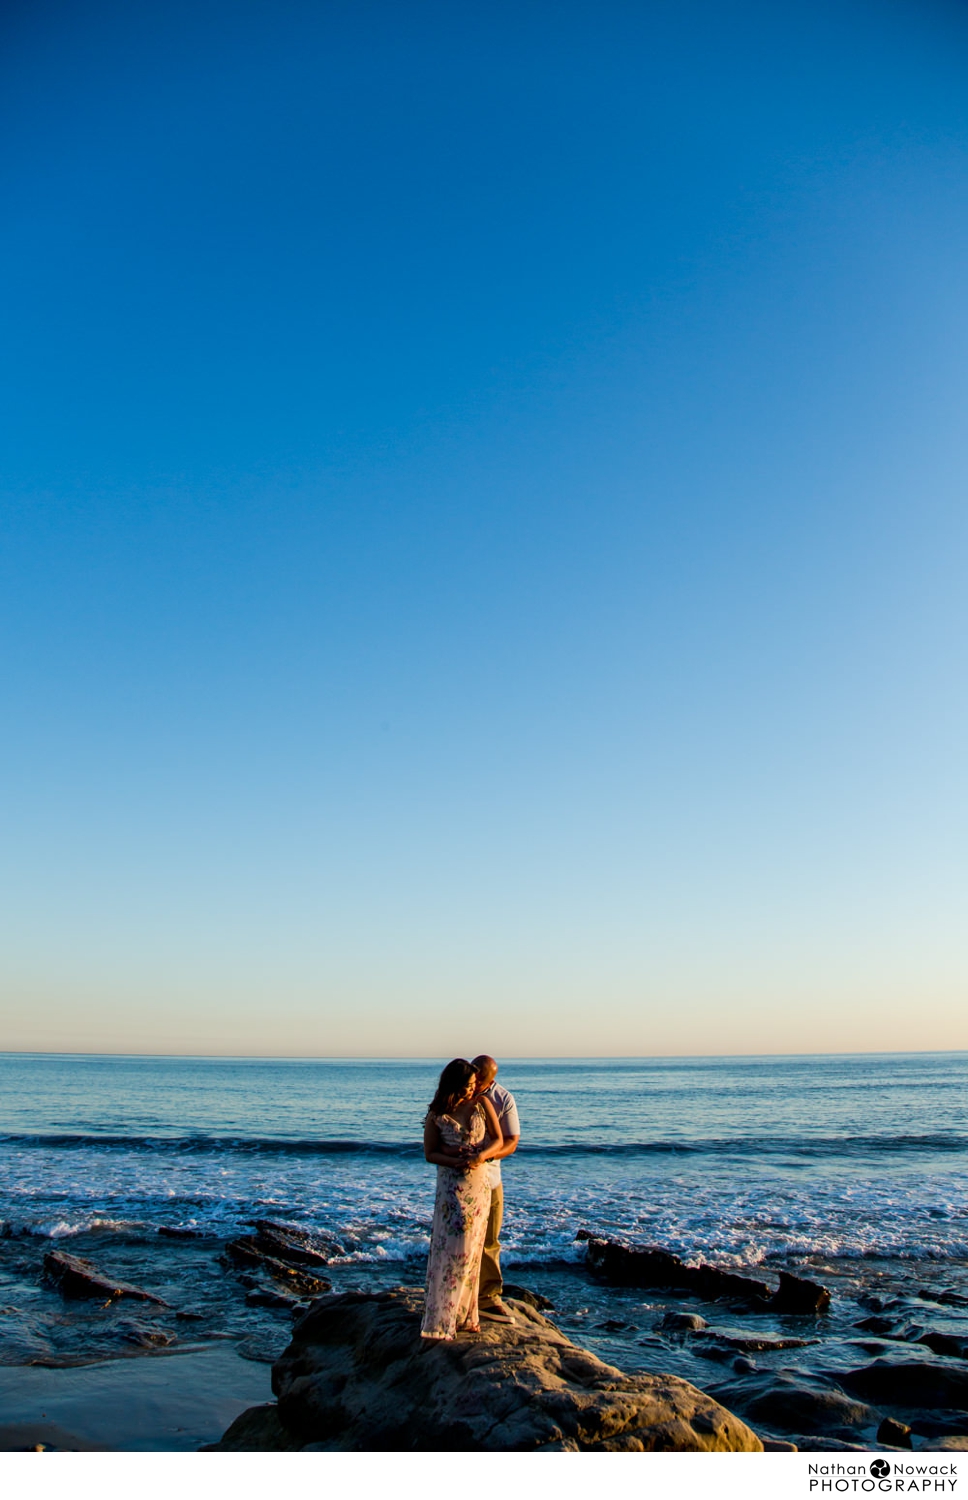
(483, 527)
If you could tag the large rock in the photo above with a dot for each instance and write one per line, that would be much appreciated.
(910, 1383)
(648, 1266)
(358, 1377)
(75, 1277)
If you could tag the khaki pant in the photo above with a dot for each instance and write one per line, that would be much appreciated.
(491, 1283)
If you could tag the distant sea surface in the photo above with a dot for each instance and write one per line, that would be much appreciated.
(736, 1160)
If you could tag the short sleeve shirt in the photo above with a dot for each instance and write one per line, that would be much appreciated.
(507, 1115)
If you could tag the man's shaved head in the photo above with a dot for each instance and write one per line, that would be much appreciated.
(486, 1069)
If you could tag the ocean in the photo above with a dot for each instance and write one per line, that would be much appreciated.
(852, 1170)
(733, 1159)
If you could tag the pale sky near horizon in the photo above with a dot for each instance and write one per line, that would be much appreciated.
(483, 534)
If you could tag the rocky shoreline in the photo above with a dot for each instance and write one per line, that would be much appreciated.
(825, 1364)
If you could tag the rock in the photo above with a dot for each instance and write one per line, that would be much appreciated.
(882, 1326)
(522, 1294)
(175, 1232)
(796, 1294)
(146, 1337)
(264, 1297)
(74, 1277)
(683, 1322)
(257, 1430)
(774, 1445)
(947, 1299)
(625, 1265)
(646, 1265)
(300, 1247)
(909, 1383)
(814, 1444)
(795, 1406)
(743, 1365)
(952, 1444)
(894, 1434)
(246, 1251)
(357, 1377)
(761, 1345)
(944, 1344)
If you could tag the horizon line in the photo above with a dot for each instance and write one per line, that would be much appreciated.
(510, 1056)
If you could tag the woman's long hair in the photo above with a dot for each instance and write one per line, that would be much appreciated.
(452, 1083)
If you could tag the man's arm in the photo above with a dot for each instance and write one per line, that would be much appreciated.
(508, 1148)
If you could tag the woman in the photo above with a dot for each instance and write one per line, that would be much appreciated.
(461, 1133)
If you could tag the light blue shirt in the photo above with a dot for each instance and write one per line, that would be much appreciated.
(507, 1117)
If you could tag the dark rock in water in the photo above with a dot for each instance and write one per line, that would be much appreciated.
(798, 1407)
(894, 1434)
(626, 1265)
(946, 1299)
(246, 1251)
(797, 1295)
(743, 1365)
(941, 1424)
(300, 1247)
(358, 1377)
(146, 1337)
(613, 1325)
(683, 1322)
(74, 1277)
(190, 1315)
(646, 1265)
(909, 1383)
(944, 1344)
(816, 1444)
(263, 1297)
(761, 1345)
(883, 1326)
(175, 1232)
(533, 1299)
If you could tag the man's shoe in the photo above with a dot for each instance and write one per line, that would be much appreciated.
(496, 1312)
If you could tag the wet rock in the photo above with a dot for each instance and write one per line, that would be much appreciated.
(761, 1345)
(522, 1294)
(894, 1434)
(75, 1277)
(946, 1299)
(628, 1265)
(648, 1266)
(176, 1232)
(817, 1444)
(940, 1424)
(300, 1247)
(358, 1377)
(146, 1337)
(953, 1444)
(263, 1297)
(909, 1383)
(743, 1365)
(257, 1430)
(796, 1294)
(944, 1344)
(774, 1445)
(798, 1407)
(882, 1326)
(246, 1251)
(683, 1322)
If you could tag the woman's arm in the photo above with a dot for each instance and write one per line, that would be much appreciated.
(494, 1131)
(434, 1150)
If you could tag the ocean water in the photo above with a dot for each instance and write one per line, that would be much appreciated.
(734, 1160)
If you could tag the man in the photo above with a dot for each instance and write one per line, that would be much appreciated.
(491, 1285)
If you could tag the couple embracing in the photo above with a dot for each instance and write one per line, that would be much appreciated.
(471, 1125)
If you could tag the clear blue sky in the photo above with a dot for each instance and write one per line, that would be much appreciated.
(483, 541)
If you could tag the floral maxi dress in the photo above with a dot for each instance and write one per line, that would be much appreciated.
(461, 1210)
